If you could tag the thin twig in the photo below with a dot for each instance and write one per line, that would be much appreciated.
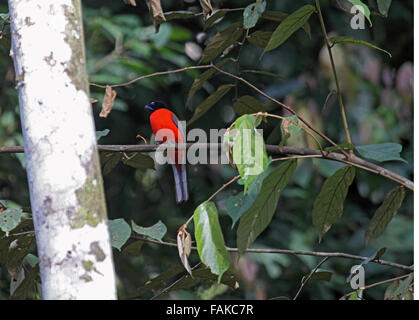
(222, 188)
(297, 157)
(161, 73)
(332, 62)
(309, 277)
(293, 252)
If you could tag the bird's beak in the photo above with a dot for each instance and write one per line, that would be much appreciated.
(149, 108)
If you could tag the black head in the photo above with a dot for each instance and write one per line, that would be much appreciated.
(154, 105)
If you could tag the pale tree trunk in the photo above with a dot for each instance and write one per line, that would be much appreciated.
(65, 181)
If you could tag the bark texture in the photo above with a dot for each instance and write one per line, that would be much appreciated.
(65, 181)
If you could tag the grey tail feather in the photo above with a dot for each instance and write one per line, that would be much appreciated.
(184, 182)
(181, 187)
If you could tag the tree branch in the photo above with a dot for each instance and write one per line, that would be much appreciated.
(293, 252)
(271, 149)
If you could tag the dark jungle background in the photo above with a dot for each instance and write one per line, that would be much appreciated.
(121, 44)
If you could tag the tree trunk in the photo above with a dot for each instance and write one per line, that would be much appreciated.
(65, 181)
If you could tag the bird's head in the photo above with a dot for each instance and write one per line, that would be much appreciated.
(154, 105)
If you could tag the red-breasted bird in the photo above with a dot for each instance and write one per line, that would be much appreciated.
(162, 118)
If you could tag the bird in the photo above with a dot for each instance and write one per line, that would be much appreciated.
(162, 118)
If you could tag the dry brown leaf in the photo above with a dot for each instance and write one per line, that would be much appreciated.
(139, 136)
(184, 243)
(206, 7)
(188, 243)
(156, 13)
(108, 101)
(131, 2)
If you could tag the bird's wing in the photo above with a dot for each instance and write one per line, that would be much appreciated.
(181, 129)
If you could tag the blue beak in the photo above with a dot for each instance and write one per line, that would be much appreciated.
(149, 108)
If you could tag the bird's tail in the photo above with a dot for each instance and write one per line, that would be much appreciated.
(181, 183)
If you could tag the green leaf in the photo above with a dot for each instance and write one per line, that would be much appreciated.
(355, 295)
(384, 214)
(32, 259)
(289, 127)
(213, 291)
(119, 232)
(255, 220)
(210, 240)
(276, 16)
(279, 16)
(378, 254)
(248, 104)
(240, 203)
(249, 152)
(336, 40)
(199, 81)
(291, 24)
(23, 245)
(5, 39)
(109, 160)
(214, 17)
(181, 14)
(252, 13)
(221, 41)
(10, 219)
(139, 161)
(260, 38)
(381, 152)
(4, 25)
(156, 231)
(384, 6)
(364, 9)
(328, 206)
(21, 289)
(4, 19)
(100, 134)
(209, 102)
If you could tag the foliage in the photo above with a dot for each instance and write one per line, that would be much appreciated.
(277, 47)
